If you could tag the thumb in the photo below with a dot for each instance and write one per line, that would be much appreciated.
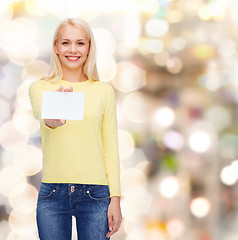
(110, 222)
(62, 121)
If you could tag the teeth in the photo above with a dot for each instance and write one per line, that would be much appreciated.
(72, 58)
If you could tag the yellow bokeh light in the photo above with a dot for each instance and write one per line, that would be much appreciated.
(156, 230)
(29, 160)
(127, 29)
(10, 138)
(57, 7)
(10, 177)
(38, 7)
(105, 6)
(23, 50)
(21, 56)
(126, 144)
(22, 234)
(204, 13)
(136, 232)
(136, 204)
(149, 6)
(7, 159)
(151, 46)
(6, 11)
(24, 121)
(74, 8)
(200, 207)
(216, 11)
(178, 44)
(228, 175)
(129, 77)
(174, 65)
(175, 227)
(143, 165)
(107, 68)
(23, 195)
(169, 187)
(22, 219)
(164, 116)
(174, 16)
(23, 94)
(127, 225)
(35, 70)
(157, 27)
(161, 58)
(131, 179)
(218, 116)
(105, 41)
(135, 107)
(199, 141)
(227, 47)
(203, 51)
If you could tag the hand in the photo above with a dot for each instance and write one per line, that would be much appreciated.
(114, 216)
(54, 123)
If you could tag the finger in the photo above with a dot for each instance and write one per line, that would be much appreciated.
(71, 89)
(110, 233)
(110, 225)
(66, 90)
(115, 228)
(62, 121)
(60, 89)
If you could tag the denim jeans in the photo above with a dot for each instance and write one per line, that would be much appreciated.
(58, 202)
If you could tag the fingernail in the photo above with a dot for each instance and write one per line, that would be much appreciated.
(110, 228)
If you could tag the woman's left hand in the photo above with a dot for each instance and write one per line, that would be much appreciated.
(114, 216)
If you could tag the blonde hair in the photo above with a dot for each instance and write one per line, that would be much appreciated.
(90, 68)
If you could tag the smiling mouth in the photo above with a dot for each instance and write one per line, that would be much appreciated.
(72, 58)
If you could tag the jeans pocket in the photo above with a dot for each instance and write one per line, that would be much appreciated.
(46, 190)
(99, 192)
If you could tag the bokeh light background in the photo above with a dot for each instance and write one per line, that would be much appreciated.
(174, 67)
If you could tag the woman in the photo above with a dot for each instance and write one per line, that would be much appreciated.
(80, 158)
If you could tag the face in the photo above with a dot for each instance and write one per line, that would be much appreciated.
(72, 47)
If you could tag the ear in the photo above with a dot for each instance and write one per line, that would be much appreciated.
(55, 48)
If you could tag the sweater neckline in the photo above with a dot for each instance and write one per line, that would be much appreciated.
(65, 81)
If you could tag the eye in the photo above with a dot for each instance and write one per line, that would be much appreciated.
(64, 43)
(81, 43)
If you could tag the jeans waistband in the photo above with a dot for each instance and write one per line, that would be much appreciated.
(66, 187)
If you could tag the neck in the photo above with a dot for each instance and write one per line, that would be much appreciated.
(74, 75)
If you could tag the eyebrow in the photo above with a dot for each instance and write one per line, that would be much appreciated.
(65, 39)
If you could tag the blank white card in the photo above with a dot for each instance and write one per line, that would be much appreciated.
(62, 105)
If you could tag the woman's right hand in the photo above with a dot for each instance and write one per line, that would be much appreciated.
(54, 123)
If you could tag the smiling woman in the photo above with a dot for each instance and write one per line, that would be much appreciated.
(72, 48)
(73, 38)
(81, 172)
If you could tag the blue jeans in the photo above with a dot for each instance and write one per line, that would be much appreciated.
(58, 202)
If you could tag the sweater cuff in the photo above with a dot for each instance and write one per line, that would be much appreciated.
(115, 192)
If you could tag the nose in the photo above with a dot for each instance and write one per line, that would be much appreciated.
(72, 48)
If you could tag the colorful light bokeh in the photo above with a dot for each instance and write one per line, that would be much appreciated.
(173, 65)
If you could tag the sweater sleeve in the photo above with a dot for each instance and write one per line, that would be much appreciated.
(35, 93)
(110, 144)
